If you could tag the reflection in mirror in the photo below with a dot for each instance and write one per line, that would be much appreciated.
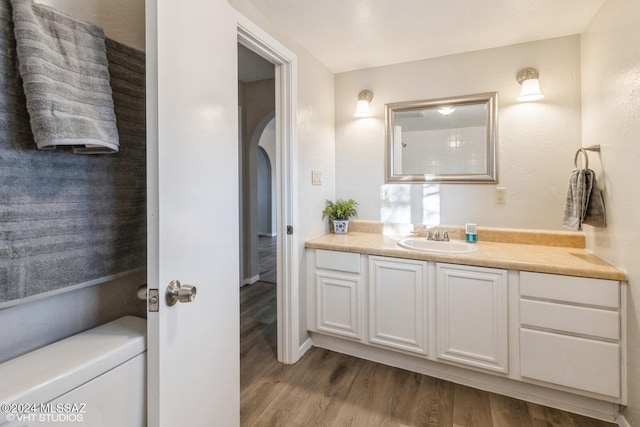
(442, 140)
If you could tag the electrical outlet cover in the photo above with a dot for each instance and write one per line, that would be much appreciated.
(501, 195)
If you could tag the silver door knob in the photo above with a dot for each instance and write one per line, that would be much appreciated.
(179, 293)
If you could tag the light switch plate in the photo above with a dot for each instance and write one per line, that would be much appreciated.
(384, 193)
(316, 177)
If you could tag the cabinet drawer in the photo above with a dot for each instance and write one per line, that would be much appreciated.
(578, 363)
(340, 261)
(577, 290)
(570, 318)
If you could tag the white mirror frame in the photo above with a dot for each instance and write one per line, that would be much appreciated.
(490, 99)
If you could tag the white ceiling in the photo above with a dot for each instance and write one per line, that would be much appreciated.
(348, 35)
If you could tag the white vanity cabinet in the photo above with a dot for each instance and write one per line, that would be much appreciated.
(570, 332)
(551, 339)
(398, 304)
(338, 304)
(472, 316)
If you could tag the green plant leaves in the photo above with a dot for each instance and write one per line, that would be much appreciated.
(340, 209)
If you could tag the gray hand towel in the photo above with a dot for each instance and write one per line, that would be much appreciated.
(584, 203)
(64, 69)
(595, 212)
(577, 198)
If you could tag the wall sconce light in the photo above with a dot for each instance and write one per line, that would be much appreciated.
(528, 78)
(362, 108)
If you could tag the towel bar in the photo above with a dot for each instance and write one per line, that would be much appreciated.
(584, 150)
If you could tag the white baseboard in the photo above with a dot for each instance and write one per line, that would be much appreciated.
(250, 280)
(622, 421)
(304, 347)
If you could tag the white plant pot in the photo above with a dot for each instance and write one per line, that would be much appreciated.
(340, 226)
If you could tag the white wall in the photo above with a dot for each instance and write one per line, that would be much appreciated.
(537, 141)
(315, 143)
(611, 118)
(268, 143)
(121, 20)
(264, 193)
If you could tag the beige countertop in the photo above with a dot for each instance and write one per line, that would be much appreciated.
(570, 261)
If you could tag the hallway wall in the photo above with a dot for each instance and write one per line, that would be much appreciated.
(268, 143)
(258, 105)
(264, 193)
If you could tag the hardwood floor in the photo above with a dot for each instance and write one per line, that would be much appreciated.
(267, 258)
(331, 389)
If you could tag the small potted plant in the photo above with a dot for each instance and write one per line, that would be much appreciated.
(339, 213)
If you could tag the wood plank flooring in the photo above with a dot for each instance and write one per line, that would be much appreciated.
(267, 258)
(330, 389)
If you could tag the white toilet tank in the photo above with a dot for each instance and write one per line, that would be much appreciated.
(92, 379)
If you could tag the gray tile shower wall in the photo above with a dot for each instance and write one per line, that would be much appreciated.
(68, 219)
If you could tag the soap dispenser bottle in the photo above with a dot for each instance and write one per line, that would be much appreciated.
(471, 233)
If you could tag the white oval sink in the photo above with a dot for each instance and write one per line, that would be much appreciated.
(450, 247)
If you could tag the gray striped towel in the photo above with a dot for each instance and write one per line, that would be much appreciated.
(65, 75)
(595, 212)
(584, 204)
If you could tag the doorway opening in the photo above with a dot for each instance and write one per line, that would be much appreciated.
(258, 241)
(284, 63)
(256, 98)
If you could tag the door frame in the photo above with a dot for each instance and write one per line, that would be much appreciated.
(286, 99)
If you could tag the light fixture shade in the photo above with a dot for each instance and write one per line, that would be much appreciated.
(528, 78)
(530, 91)
(362, 108)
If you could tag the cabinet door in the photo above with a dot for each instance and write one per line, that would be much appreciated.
(471, 305)
(338, 307)
(397, 304)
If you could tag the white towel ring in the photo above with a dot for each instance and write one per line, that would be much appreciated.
(585, 157)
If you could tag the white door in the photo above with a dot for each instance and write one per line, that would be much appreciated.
(193, 348)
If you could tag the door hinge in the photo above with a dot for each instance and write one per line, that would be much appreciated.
(153, 300)
(289, 229)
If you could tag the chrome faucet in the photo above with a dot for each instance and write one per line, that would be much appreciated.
(435, 236)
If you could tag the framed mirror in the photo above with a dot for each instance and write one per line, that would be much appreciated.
(448, 140)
